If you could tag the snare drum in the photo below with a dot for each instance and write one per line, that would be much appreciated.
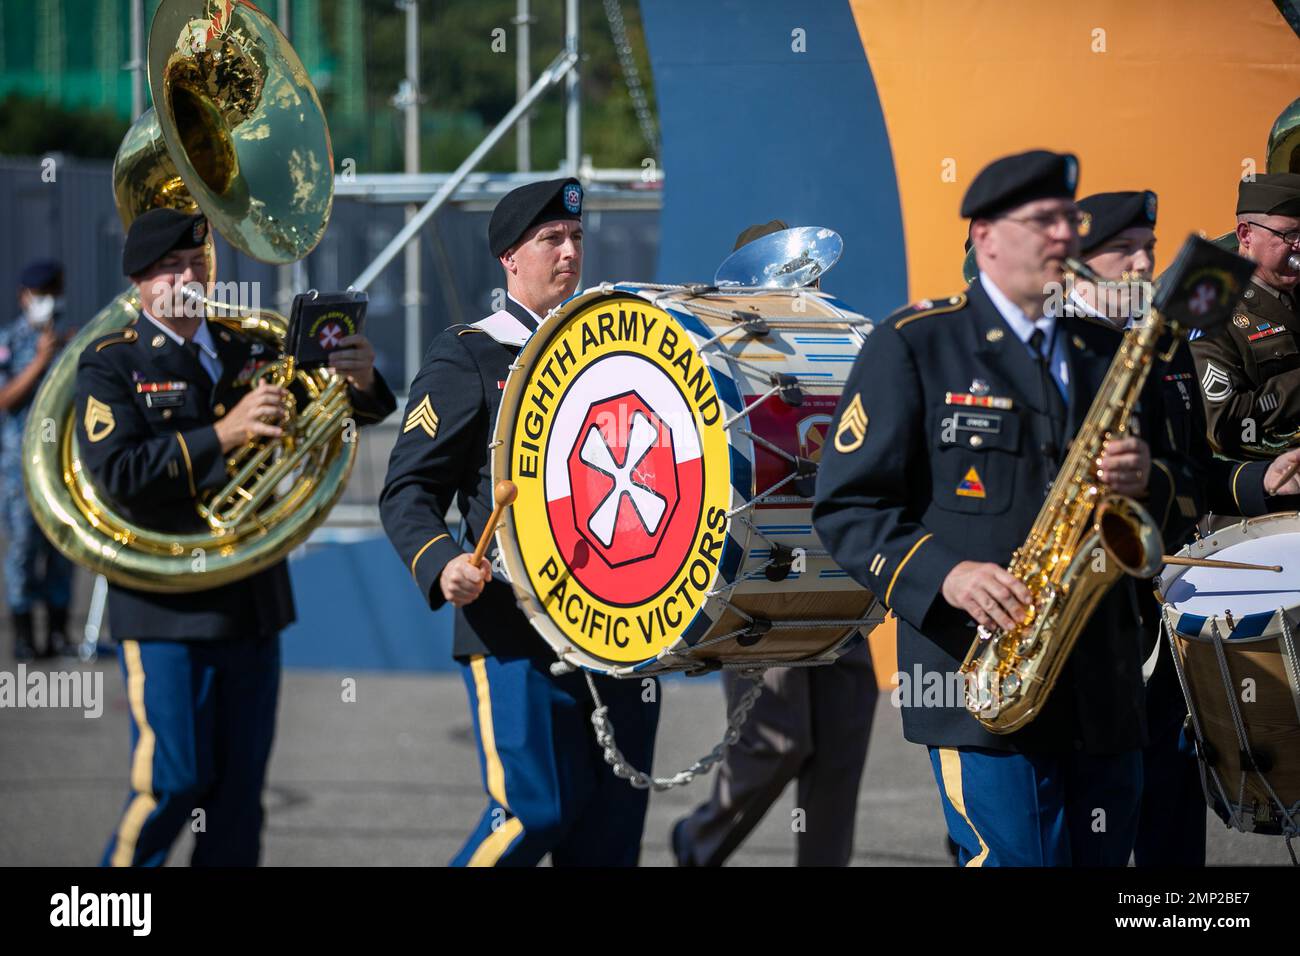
(665, 444)
(1233, 636)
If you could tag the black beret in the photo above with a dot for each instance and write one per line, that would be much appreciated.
(1106, 215)
(521, 209)
(41, 274)
(1274, 194)
(1015, 180)
(758, 232)
(157, 233)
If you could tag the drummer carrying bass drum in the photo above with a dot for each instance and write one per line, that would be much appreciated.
(548, 788)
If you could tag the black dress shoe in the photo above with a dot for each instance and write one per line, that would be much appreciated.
(24, 649)
(57, 643)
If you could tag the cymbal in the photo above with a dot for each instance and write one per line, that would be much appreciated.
(787, 259)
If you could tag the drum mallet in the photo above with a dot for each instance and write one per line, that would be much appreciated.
(1207, 563)
(503, 495)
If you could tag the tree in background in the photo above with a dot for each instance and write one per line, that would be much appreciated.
(68, 96)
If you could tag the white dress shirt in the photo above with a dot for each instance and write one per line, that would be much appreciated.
(1024, 328)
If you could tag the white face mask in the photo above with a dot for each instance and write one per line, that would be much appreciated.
(40, 310)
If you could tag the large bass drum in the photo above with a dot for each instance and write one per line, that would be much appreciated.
(1234, 636)
(664, 441)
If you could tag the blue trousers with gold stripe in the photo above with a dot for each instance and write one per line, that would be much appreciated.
(549, 789)
(1067, 809)
(202, 722)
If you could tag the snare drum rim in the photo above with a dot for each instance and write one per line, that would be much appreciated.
(1250, 629)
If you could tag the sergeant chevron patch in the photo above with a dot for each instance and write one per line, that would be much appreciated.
(422, 416)
(852, 428)
(1215, 383)
(98, 419)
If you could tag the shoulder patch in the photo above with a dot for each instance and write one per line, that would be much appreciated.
(117, 338)
(98, 420)
(928, 307)
(423, 417)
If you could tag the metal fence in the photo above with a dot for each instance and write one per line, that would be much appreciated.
(63, 207)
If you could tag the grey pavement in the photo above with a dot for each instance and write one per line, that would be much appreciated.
(392, 779)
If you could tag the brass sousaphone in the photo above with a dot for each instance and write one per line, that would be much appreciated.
(238, 133)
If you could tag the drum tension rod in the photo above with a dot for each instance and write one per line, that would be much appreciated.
(805, 481)
(752, 634)
(780, 560)
(788, 385)
(753, 323)
(700, 288)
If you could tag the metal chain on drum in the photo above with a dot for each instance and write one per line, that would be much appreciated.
(643, 781)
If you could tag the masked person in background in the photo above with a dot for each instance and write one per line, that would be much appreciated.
(35, 573)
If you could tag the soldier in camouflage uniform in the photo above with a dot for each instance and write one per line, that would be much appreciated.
(1250, 368)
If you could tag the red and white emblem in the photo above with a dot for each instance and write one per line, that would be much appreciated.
(331, 335)
(624, 480)
(1203, 298)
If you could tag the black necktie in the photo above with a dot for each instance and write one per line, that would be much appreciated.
(1053, 403)
(193, 348)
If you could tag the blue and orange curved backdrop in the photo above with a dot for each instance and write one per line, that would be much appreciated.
(871, 116)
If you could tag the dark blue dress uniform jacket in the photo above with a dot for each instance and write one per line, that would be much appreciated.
(890, 514)
(441, 456)
(161, 454)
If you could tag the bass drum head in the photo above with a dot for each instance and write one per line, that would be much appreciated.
(612, 429)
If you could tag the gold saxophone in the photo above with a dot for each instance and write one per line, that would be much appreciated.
(1083, 538)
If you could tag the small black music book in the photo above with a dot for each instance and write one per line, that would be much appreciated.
(319, 321)
(1203, 286)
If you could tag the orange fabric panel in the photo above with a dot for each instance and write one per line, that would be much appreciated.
(1183, 95)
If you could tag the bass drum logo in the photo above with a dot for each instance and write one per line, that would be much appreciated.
(623, 472)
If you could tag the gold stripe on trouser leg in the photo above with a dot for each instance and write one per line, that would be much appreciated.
(491, 849)
(144, 802)
(496, 774)
(950, 767)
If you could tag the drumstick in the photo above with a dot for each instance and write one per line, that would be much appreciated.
(502, 495)
(1287, 476)
(1206, 563)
